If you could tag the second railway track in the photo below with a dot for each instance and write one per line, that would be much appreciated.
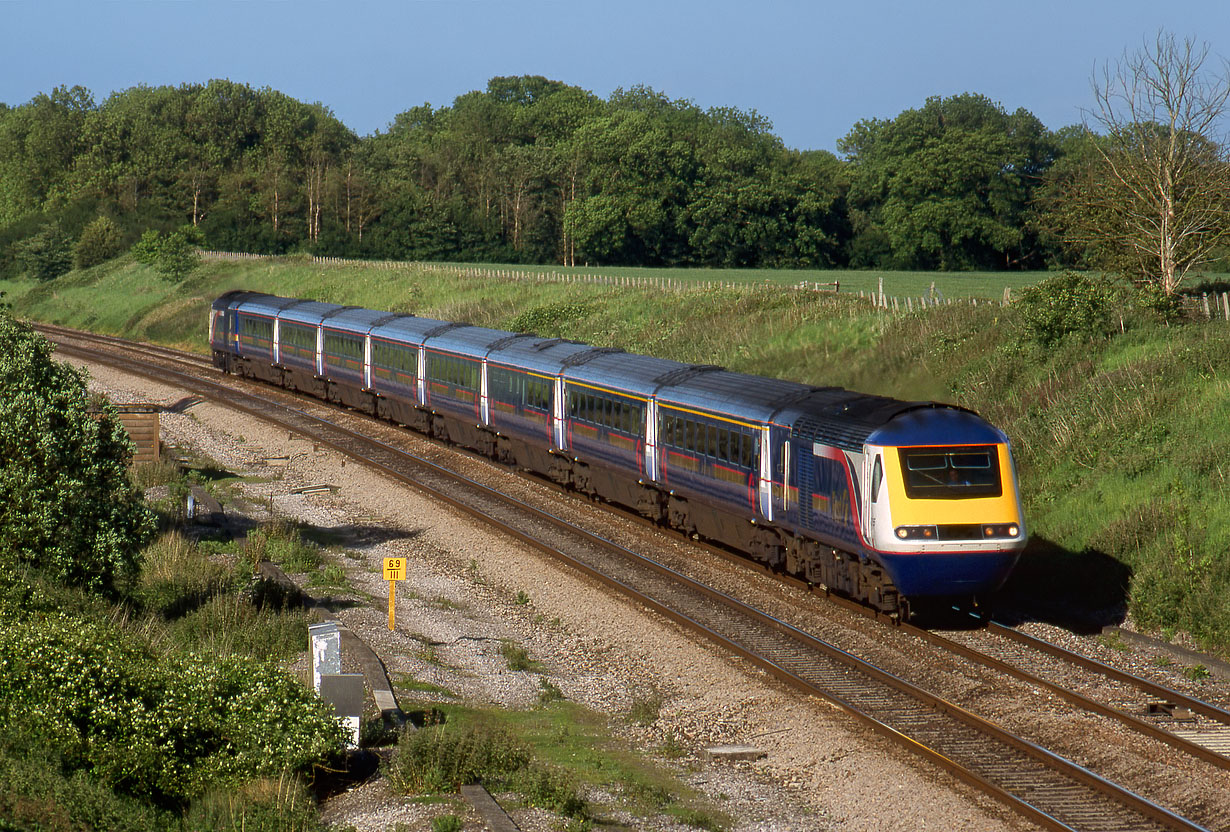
(1039, 784)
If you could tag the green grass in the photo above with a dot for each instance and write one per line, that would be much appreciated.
(569, 744)
(1118, 437)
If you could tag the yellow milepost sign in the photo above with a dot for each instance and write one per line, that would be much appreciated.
(394, 571)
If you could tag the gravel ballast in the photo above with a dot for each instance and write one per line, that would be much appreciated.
(821, 771)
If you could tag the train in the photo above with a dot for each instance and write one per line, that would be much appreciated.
(891, 503)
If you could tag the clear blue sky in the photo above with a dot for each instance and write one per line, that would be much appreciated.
(812, 68)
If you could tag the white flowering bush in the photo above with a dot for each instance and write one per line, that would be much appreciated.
(167, 728)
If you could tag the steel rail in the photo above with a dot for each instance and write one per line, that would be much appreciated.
(1003, 781)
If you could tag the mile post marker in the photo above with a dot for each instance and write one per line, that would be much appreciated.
(394, 571)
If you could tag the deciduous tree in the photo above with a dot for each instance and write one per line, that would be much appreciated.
(1153, 202)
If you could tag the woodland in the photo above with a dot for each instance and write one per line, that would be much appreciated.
(531, 170)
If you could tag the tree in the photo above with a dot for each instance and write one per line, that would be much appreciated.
(946, 186)
(66, 503)
(46, 255)
(1153, 201)
(173, 256)
(99, 242)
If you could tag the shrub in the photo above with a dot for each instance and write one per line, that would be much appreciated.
(46, 255)
(66, 504)
(174, 256)
(1069, 303)
(167, 729)
(100, 241)
(441, 758)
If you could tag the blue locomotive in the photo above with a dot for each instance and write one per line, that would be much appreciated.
(877, 499)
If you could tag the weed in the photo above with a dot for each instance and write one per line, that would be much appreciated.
(446, 823)
(672, 748)
(445, 603)
(442, 758)
(548, 692)
(697, 818)
(548, 787)
(1197, 673)
(1163, 661)
(522, 598)
(517, 657)
(1115, 642)
(408, 683)
(331, 576)
(283, 543)
(646, 706)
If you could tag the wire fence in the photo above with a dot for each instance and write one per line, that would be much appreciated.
(1208, 305)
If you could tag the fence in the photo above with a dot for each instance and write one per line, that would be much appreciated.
(1209, 305)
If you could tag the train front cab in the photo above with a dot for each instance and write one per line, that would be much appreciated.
(944, 519)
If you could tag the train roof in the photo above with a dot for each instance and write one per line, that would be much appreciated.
(406, 329)
(846, 419)
(732, 394)
(937, 424)
(464, 339)
(354, 319)
(623, 371)
(309, 312)
(535, 353)
(235, 297)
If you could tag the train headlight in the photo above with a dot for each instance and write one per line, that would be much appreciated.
(1000, 530)
(916, 532)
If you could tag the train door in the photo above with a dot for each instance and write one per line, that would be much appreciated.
(422, 376)
(872, 476)
(651, 439)
(766, 474)
(367, 361)
(483, 398)
(320, 350)
(558, 414)
(277, 341)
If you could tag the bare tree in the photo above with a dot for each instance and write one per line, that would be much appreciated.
(1154, 200)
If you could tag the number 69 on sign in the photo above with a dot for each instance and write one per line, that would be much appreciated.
(394, 571)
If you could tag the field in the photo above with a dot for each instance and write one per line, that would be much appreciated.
(1117, 429)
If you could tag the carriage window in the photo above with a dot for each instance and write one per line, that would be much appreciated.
(951, 473)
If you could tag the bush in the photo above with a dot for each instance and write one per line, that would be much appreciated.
(46, 255)
(174, 256)
(440, 758)
(163, 729)
(66, 504)
(100, 241)
(1067, 304)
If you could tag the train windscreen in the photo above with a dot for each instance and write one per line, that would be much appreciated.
(949, 473)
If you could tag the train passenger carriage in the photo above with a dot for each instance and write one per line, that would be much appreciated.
(719, 442)
(881, 500)
(526, 397)
(454, 372)
(608, 405)
(344, 355)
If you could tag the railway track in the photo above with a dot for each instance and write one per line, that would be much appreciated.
(1039, 784)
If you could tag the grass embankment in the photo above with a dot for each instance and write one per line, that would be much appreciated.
(1119, 435)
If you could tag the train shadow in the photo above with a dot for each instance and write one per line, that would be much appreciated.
(1080, 591)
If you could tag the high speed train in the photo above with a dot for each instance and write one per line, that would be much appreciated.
(884, 501)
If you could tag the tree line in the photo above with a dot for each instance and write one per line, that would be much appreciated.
(532, 170)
